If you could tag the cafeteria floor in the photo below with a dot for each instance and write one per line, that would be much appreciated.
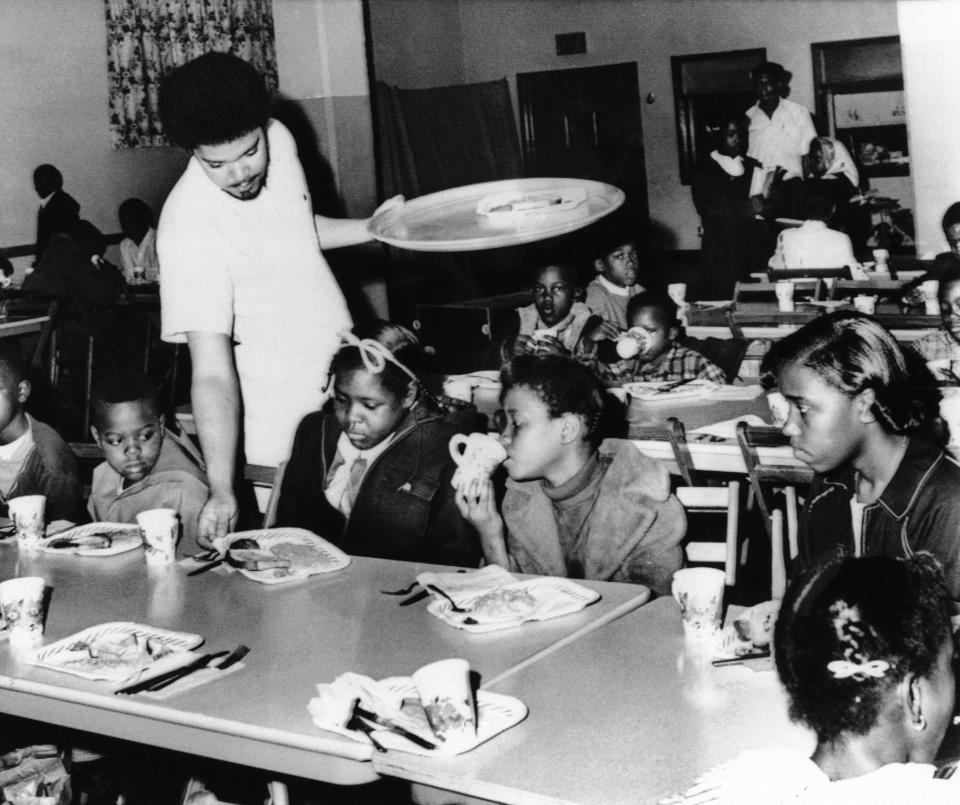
(140, 775)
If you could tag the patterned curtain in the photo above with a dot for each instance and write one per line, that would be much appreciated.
(146, 39)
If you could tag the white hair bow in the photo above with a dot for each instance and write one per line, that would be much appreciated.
(845, 669)
(374, 354)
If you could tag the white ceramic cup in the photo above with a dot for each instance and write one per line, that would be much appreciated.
(159, 529)
(476, 456)
(881, 256)
(26, 512)
(699, 591)
(677, 291)
(865, 303)
(22, 604)
(929, 289)
(784, 292)
(460, 387)
(779, 409)
(447, 697)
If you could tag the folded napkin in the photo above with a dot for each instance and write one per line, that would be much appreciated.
(493, 599)
(395, 700)
(333, 708)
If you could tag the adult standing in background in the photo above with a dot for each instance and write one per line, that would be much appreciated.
(244, 280)
(780, 130)
(58, 209)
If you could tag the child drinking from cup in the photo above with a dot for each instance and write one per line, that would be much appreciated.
(650, 350)
(574, 506)
(34, 459)
(146, 466)
(372, 472)
(555, 322)
(883, 486)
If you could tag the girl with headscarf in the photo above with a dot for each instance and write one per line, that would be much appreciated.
(833, 174)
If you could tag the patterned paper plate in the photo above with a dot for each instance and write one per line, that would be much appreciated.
(118, 651)
(123, 537)
(308, 553)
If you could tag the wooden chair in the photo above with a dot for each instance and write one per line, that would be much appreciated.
(671, 431)
(715, 500)
(765, 477)
(267, 478)
(88, 456)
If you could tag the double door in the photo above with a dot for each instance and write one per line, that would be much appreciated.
(585, 123)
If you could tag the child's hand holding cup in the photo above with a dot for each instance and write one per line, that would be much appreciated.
(159, 529)
(26, 512)
(476, 457)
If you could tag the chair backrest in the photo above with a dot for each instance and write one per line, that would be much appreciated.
(671, 431)
(832, 272)
(718, 500)
(270, 478)
(766, 476)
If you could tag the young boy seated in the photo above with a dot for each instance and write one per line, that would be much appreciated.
(653, 318)
(34, 459)
(616, 264)
(944, 343)
(554, 324)
(147, 466)
(574, 506)
(138, 249)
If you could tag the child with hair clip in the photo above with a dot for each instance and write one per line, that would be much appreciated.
(371, 472)
(865, 652)
(575, 506)
(883, 485)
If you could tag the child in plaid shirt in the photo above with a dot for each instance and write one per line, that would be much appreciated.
(662, 358)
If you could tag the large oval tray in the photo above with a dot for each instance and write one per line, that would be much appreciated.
(448, 221)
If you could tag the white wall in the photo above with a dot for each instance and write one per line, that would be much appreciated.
(53, 81)
(928, 32)
(417, 43)
(53, 84)
(504, 37)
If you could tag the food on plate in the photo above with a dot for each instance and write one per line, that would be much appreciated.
(98, 540)
(502, 604)
(517, 205)
(255, 559)
(116, 656)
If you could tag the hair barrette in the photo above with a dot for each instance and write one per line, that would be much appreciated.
(859, 671)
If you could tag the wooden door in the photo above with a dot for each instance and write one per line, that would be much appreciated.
(585, 123)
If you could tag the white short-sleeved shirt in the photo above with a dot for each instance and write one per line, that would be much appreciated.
(253, 270)
(781, 139)
(813, 245)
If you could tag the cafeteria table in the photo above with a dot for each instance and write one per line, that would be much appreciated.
(300, 634)
(729, 402)
(621, 716)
